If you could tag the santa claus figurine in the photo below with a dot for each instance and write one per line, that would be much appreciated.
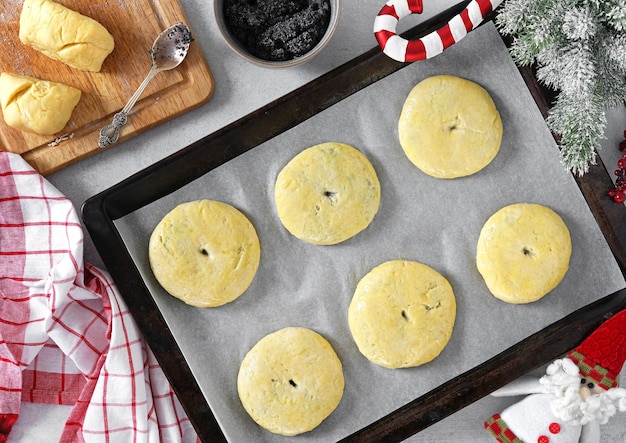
(578, 393)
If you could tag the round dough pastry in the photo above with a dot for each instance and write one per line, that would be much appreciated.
(523, 252)
(205, 253)
(449, 127)
(402, 314)
(290, 381)
(326, 194)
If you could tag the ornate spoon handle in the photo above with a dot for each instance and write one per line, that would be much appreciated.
(111, 132)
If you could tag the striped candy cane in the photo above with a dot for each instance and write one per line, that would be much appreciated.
(432, 44)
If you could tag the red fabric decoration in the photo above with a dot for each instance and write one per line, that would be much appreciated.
(6, 423)
(605, 347)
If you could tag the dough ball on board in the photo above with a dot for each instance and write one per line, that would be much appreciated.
(65, 35)
(33, 105)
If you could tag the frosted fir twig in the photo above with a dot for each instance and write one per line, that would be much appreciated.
(578, 48)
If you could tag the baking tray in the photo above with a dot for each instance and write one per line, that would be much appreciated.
(101, 212)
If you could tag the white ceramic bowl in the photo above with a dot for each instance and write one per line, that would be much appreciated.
(239, 48)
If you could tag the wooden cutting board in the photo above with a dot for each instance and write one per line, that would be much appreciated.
(134, 25)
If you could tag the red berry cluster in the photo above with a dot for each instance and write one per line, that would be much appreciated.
(618, 194)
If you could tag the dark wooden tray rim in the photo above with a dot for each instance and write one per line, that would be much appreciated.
(100, 211)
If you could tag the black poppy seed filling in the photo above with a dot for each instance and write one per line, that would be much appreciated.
(277, 30)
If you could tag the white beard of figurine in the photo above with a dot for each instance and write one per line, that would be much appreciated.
(578, 404)
(560, 408)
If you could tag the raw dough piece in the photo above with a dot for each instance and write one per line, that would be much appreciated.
(205, 253)
(34, 105)
(290, 381)
(449, 127)
(326, 194)
(65, 35)
(523, 252)
(402, 314)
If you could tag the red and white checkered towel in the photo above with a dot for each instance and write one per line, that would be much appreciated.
(66, 335)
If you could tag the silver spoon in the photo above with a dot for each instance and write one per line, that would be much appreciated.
(168, 51)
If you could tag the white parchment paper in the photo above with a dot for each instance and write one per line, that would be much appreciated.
(436, 222)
